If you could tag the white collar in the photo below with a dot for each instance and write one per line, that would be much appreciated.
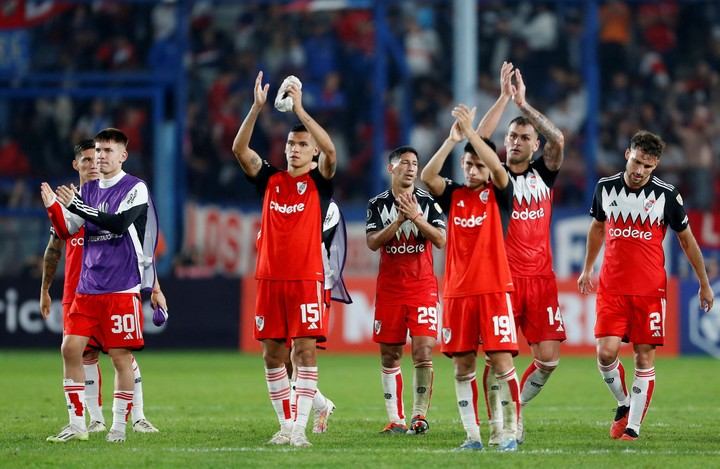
(105, 183)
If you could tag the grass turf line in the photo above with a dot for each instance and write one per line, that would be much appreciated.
(213, 410)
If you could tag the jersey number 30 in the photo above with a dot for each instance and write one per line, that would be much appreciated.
(122, 324)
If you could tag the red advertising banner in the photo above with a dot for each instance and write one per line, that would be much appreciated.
(706, 228)
(351, 325)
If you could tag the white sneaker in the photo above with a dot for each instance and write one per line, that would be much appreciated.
(299, 440)
(496, 433)
(143, 426)
(69, 432)
(96, 426)
(280, 438)
(320, 421)
(115, 436)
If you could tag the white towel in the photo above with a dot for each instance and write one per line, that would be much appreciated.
(283, 102)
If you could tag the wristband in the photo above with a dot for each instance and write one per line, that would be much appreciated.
(157, 291)
(413, 218)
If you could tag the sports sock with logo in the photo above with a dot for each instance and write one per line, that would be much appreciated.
(509, 399)
(74, 397)
(392, 383)
(466, 392)
(643, 387)
(122, 407)
(422, 386)
(138, 412)
(534, 378)
(614, 376)
(93, 390)
(491, 389)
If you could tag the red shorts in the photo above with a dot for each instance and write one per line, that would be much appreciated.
(536, 308)
(322, 341)
(638, 319)
(114, 320)
(92, 344)
(485, 319)
(286, 309)
(392, 322)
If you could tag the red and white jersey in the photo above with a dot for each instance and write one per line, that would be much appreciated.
(290, 239)
(528, 237)
(475, 261)
(73, 263)
(636, 221)
(406, 273)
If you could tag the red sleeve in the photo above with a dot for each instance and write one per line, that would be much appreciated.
(58, 220)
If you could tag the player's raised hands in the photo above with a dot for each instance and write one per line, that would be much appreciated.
(66, 194)
(519, 95)
(295, 93)
(506, 85)
(456, 135)
(464, 116)
(261, 91)
(47, 194)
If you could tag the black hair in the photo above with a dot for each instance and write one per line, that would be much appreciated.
(112, 135)
(399, 151)
(470, 149)
(83, 145)
(650, 143)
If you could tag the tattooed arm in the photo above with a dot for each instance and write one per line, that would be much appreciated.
(553, 150)
(51, 259)
(247, 157)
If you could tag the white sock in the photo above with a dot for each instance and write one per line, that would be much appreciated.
(466, 392)
(279, 390)
(534, 378)
(293, 399)
(614, 376)
(74, 397)
(491, 389)
(122, 407)
(93, 390)
(305, 392)
(644, 382)
(392, 382)
(319, 401)
(510, 400)
(138, 412)
(422, 387)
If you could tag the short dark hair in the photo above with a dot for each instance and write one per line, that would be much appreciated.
(112, 135)
(522, 120)
(471, 149)
(298, 128)
(399, 151)
(83, 145)
(650, 143)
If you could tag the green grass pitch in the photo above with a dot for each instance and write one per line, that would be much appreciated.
(213, 411)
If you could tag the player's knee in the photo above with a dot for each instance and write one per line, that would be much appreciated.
(606, 356)
(390, 356)
(91, 355)
(422, 355)
(121, 359)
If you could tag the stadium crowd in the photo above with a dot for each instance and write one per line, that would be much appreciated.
(659, 65)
